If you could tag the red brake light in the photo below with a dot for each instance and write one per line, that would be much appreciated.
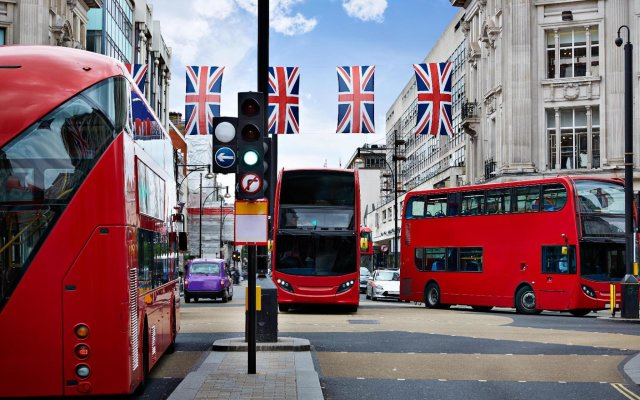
(82, 351)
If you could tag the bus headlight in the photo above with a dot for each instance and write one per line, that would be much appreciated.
(284, 285)
(345, 286)
(588, 291)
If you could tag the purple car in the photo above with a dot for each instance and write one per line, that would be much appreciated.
(207, 278)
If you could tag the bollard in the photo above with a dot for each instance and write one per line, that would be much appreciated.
(629, 301)
(612, 299)
(267, 317)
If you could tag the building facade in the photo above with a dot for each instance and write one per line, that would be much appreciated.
(538, 90)
(45, 22)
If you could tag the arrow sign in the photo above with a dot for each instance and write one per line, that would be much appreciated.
(225, 157)
(250, 183)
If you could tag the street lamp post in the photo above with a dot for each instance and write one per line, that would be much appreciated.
(394, 177)
(629, 285)
(209, 175)
(217, 191)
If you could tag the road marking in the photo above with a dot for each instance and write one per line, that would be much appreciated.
(626, 392)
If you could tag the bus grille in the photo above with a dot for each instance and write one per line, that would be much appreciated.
(133, 304)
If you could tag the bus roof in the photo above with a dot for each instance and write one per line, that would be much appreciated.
(52, 73)
(486, 186)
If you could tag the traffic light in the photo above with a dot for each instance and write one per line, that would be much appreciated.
(251, 130)
(224, 144)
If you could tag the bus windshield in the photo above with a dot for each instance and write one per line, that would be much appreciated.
(316, 254)
(600, 197)
(42, 168)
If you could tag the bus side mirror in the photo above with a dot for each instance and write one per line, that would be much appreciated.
(565, 250)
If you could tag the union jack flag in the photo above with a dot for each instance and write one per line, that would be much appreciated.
(139, 73)
(355, 99)
(434, 98)
(202, 100)
(284, 96)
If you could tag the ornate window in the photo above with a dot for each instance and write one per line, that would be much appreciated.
(570, 52)
(577, 130)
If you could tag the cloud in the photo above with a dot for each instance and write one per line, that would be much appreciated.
(281, 19)
(366, 10)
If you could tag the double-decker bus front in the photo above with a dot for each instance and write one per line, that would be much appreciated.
(316, 250)
(600, 205)
(87, 288)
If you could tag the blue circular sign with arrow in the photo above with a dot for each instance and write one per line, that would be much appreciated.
(225, 157)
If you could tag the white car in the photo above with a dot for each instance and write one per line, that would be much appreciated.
(364, 278)
(384, 284)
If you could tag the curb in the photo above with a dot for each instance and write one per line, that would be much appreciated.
(632, 369)
(283, 344)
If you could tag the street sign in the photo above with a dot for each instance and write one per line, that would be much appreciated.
(251, 224)
(250, 183)
(225, 157)
(384, 248)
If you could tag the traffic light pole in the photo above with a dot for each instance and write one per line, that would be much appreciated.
(251, 313)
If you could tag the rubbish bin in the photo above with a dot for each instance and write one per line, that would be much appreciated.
(267, 317)
(629, 297)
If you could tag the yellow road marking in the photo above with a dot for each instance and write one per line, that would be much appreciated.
(626, 392)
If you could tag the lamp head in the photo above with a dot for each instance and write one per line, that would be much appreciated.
(209, 175)
(618, 41)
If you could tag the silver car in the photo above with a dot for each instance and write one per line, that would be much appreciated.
(364, 278)
(384, 284)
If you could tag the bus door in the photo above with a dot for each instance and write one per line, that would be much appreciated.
(558, 277)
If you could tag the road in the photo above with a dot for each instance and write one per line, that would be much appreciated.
(401, 350)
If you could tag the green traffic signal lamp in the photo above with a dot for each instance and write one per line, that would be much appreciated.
(250, 158)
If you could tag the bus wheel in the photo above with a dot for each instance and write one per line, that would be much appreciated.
(432, 296)
(283, 307)
(526, 300)
(579, 313)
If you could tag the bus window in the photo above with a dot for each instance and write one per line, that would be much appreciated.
(453, 204)
(452, 260)
(554, 262)
(419, 259)
(472, 203)
(498, 201)
(435, 259)
(471, 259)
(415, 208)
(555, 197)
(527, 199)
(437, 206)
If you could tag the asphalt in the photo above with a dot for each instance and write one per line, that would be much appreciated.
(284, 371)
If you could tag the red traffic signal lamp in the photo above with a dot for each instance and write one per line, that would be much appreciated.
(251, 127)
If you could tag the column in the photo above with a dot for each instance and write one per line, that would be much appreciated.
(589, 134)
(558, 138)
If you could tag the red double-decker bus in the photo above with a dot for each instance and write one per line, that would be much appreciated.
(548, 244)
(316, 245)
(89, 295)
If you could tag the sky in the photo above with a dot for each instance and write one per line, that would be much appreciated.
(315, 35)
